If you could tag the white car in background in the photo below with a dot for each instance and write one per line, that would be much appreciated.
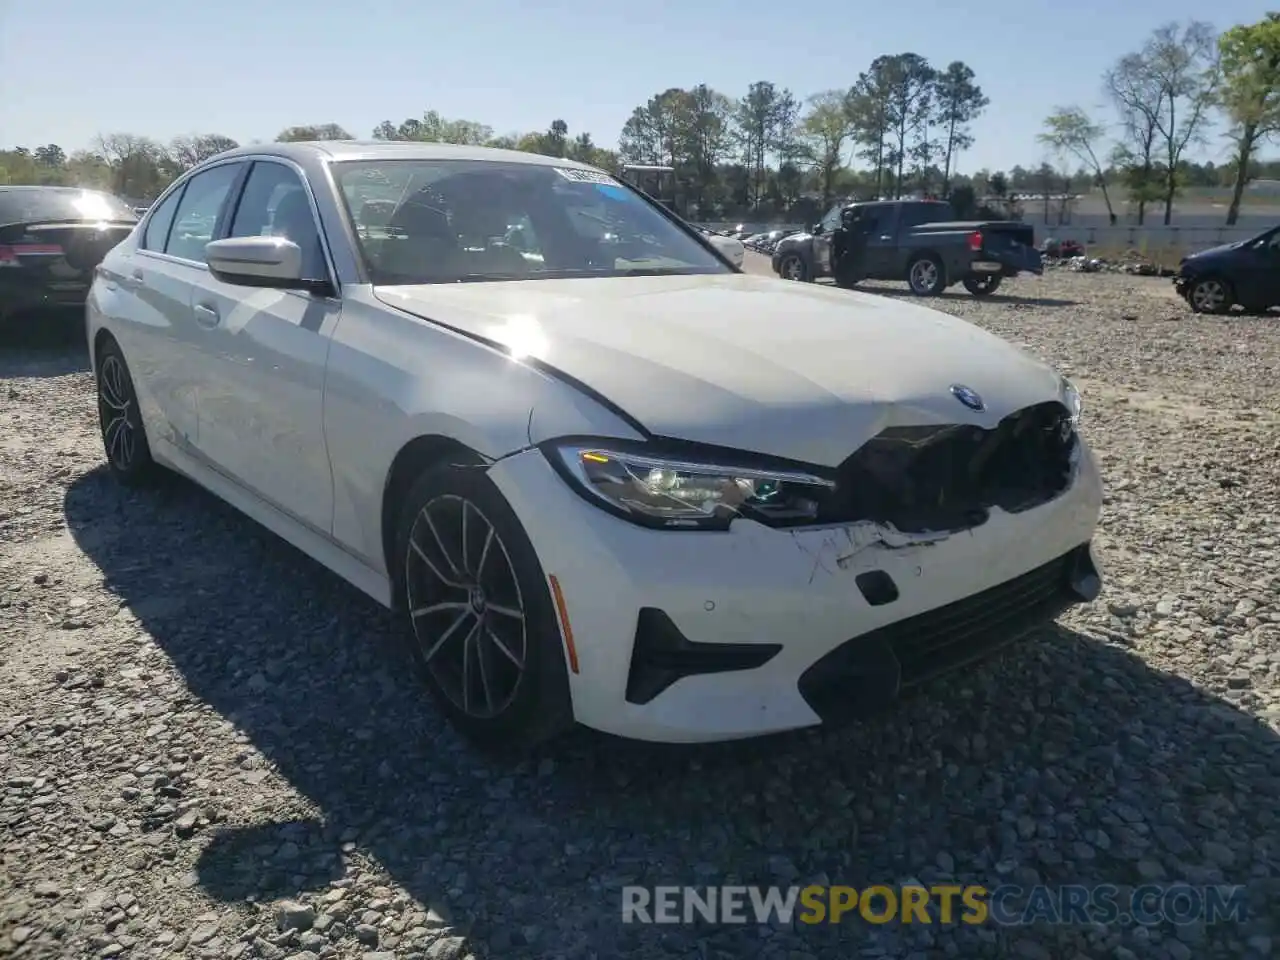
(604, 479)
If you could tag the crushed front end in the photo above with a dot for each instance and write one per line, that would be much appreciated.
(934, 546)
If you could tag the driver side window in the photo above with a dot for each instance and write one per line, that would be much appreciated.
(831, 221)
(275, 203)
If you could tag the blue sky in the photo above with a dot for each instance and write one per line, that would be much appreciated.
(71, 69)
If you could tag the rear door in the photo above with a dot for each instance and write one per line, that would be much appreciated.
(880, 225)
(263, 355)
(170, 259)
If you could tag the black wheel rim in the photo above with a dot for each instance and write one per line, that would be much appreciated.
(466, 606)
(116, 412)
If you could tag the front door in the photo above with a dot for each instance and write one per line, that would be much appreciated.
(1259, 284)
(823, 240)
(262, 417)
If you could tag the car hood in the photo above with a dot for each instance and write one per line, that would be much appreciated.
(791, 370)
(1214, 253)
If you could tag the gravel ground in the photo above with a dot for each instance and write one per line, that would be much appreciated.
(198, 723)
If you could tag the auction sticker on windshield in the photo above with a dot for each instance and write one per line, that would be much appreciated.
(586, 176)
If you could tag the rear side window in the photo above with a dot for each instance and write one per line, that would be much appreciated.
(157, 231)
(197, 214)
(32, 204)
(914, 214)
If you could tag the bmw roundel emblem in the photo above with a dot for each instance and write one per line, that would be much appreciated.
(968, 396)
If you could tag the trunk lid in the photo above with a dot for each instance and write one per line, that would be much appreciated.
(62, 255)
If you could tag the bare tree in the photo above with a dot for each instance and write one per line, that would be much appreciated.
(140, 167)
(1138, 98)
(1184, 63)
(189, 151)
(1070, 132)
(824, 130)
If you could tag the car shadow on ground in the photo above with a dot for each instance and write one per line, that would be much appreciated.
(43, 345)
(958, 293)
(529, 858)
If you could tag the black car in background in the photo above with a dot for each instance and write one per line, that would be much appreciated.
(1245, 273)
(51, 239)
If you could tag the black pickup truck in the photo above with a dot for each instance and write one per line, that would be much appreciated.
(918, 241)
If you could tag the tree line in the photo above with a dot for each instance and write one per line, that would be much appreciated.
(899, 129)
(1166, 96)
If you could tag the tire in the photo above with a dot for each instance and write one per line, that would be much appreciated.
(983, 286)
(124, 439)
(792, 267)
(926, 276)
(490, 652)
(1210, 295)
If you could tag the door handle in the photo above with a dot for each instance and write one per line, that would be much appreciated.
(886, 236)
(206, 316)
(133, 281)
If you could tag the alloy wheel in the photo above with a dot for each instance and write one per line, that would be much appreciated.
(792, 269)
(924, 274)
(466, 607)
(115, 409)
(1209, 296)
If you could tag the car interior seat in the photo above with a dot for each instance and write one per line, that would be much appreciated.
(292, 219)
(421, 243)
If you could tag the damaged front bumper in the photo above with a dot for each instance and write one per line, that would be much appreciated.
(704, 636)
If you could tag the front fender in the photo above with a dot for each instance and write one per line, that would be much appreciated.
(392, 378)
(797, 243)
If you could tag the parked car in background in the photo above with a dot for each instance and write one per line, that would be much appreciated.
(607, 478)
(51, 239)
(918, 241)
(1245, 273)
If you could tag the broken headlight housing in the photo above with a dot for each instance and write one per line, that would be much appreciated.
(675, 492)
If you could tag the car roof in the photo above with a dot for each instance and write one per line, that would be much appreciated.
(885, 203)
(341, 150)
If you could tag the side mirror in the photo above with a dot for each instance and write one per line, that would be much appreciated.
(257, 262)
(816, 229)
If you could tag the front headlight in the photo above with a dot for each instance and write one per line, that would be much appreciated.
(661, 491)
(1071, 399)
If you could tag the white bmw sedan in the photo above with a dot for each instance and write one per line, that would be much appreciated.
(601, 475)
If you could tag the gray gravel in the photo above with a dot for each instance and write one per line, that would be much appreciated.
(209, 747)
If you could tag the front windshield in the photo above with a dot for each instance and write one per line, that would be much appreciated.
(448, 221)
